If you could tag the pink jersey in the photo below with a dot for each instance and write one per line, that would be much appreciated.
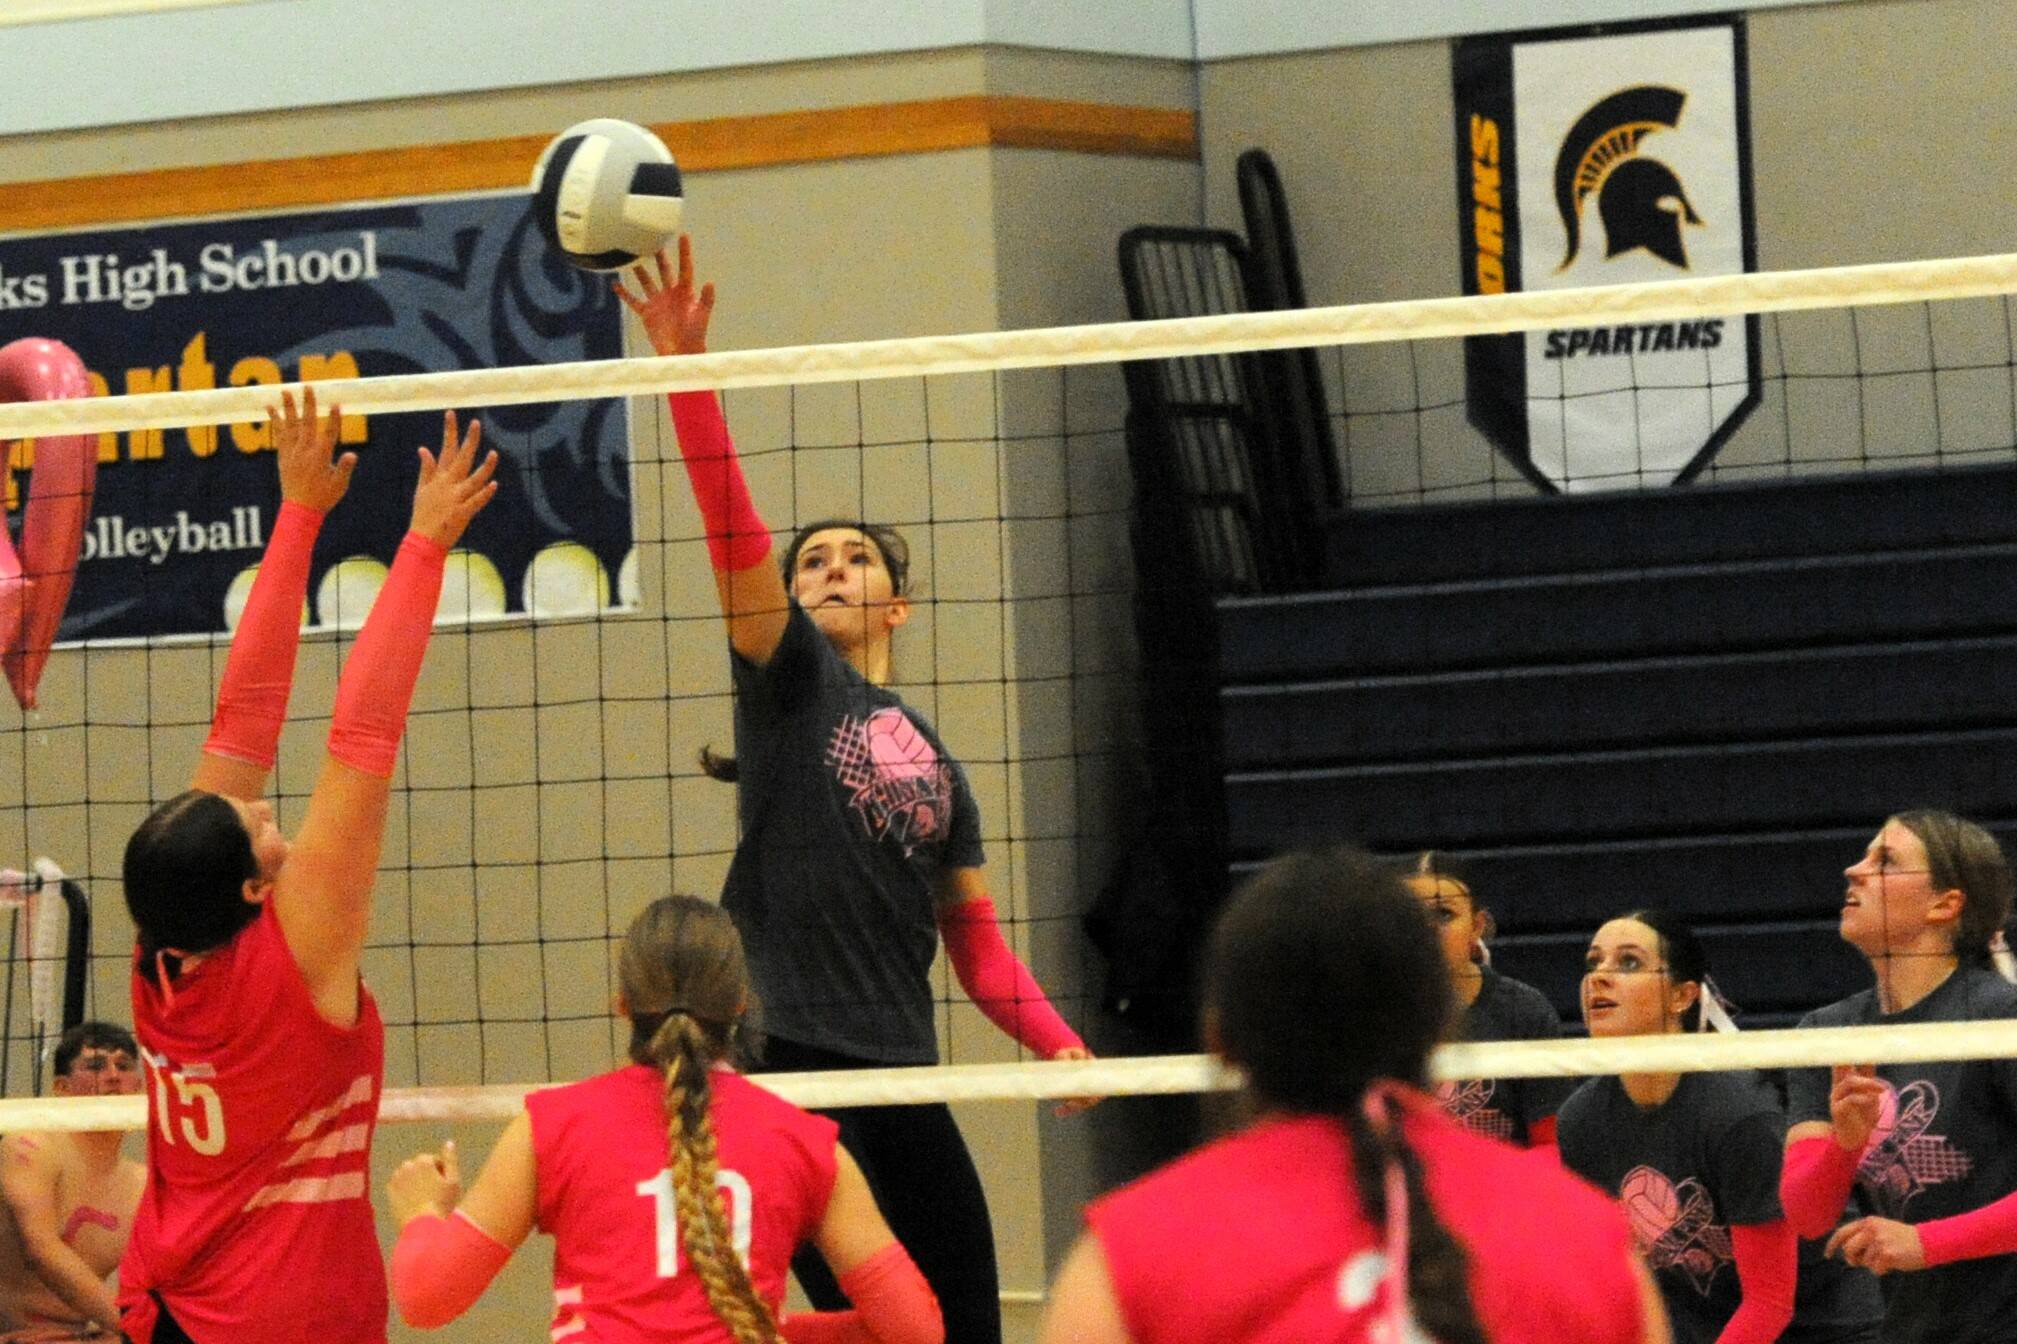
(256, 1221)
(1260, 1239)
(605, 1194)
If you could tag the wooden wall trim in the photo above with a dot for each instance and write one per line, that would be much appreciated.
(719, 143)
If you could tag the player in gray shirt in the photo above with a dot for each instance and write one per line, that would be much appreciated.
(1493, 1007)
(1925, 1153)
(1695, 1160)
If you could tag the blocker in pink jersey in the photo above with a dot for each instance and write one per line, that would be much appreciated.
(263, 1050)
(1353, 1211)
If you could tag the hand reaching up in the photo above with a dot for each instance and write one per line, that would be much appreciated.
(453, 487)
(675, 317)
(303, 444)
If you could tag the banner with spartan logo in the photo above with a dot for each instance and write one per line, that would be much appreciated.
(1600, 156)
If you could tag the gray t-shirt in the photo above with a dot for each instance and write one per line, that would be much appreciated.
(1686, 1171)
(1946, 1143)
(1506, 1108)
(851, 809)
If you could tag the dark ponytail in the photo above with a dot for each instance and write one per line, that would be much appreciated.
(185, 871)
(1439, 1293)
(1318, 939)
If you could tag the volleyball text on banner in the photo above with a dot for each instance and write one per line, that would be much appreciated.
(1606, 156)
(447, 283)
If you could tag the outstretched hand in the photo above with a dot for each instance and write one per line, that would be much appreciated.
(303, 444)
(675, 316)
(453, 487)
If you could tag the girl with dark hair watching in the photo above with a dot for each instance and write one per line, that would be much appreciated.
(1928, 1150)
(675, 1190)
(1491, 1007)
(1694, 1157)
(861, 840)
(1353, 1210)
(263, 1050)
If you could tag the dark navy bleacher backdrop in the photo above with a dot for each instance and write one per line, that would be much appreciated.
(1705, 698)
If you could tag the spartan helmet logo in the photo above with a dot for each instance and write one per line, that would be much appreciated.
(1639, 198)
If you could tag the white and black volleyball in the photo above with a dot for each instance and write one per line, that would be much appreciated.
(605, 193)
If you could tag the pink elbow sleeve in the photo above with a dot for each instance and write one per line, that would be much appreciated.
(1989, 1230)
(1814, 1184)
(736, 536)
(376, 688)
(1767, 1256)
(252, 698)
(998, 983)
(440, 1266)
(892, 1305)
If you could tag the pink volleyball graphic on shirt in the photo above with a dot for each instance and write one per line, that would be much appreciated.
(896, 746)
(1648, 1197)
(892, 777)
(1675, 1226)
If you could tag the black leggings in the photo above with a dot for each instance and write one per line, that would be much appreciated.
(924, 1180)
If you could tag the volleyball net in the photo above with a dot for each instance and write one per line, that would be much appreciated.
(549, 784)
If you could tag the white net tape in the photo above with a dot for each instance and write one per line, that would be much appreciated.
(1694, 1052)
(1046, 347)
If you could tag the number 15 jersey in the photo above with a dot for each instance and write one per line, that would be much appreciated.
(620, 1274)
(256, 1221)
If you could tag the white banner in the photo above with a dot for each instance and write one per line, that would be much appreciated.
(1624, 158)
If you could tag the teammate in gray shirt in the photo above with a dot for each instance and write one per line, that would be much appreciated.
(1493, 1008)
(1694, 1158)
(1928, 1150)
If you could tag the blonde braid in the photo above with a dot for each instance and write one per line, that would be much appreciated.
(682, 1047)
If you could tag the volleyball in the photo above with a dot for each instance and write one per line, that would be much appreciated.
(606, 192)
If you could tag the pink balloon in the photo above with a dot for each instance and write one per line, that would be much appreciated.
(35, 583)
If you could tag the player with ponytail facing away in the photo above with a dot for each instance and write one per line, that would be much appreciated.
(1353, 1210)
(676, 1191)
(263, 1050)
(860, 847)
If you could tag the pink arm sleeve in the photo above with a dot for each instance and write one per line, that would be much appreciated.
(892, 1305)
(252, 699)
(377, 685)
(440, 1266)
(1814, 1184)
(1767, 1269)
(999, 984)
(736, 537)
(1989, 1230)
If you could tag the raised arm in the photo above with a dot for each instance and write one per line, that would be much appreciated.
(752, 593)
(252, 699)
(323, 892)
(892, 1302)
(1822, 1156)
(28, 1180)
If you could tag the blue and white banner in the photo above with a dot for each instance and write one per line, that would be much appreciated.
(415, 287)
(1604, 156)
